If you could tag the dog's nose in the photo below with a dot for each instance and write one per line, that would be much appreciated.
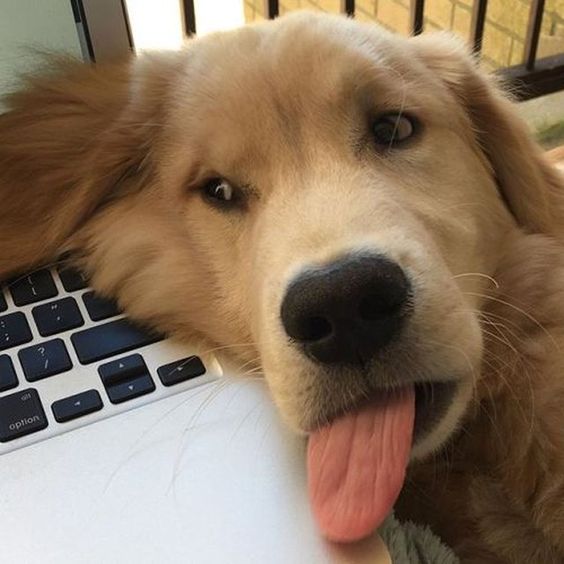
(347, 311)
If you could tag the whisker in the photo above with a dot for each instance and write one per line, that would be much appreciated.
(519, 310)
(479, 274)
(208, 352)
(191, 394)
(503, 364)
(500, 339)
(219, 387)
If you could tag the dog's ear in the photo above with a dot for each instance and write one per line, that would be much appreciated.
(68, 140)
(530, 186)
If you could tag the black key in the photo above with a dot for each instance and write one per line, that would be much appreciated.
(130, 389)
(72, 279)
(180, 371)
(3, 304)
(123, 369)
(8, 378)
(44, 360)
(126, 378)
(21, 414)
(14, 330)
(32, 288)
(77, 406)
(99, 308)
(56, 317)
(109, 339)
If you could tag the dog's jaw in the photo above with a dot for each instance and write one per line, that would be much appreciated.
(436, 436)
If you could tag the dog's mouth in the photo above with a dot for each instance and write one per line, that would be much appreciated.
(432, 400)
(357, 463)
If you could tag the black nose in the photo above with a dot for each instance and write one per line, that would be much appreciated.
(347, 311)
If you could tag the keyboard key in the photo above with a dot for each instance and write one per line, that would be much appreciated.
(8, 378)
(44, 360)
(130, 389)
(126, 378)
(56, 317)
(21, 414)
(3, 304)
(180, 371)
(109, 339)
(99, 308)
(77, 406)
(122, 369)
(14, 330)
(34, 287)
(72, 279)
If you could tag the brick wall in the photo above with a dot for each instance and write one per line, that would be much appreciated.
(504, 35)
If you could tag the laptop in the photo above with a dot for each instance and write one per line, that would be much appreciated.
(118, 445)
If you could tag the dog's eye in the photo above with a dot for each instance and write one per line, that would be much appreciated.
(219, 191)
(392, 128)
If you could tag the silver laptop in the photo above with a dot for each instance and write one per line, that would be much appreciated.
(117, 445)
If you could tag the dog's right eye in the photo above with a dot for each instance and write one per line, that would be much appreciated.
(220, 192)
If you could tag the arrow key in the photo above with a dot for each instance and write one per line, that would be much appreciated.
(76, 406)
(129, 389)
(126, 378)
(123, 369)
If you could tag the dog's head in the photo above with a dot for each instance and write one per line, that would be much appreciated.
(315, 193)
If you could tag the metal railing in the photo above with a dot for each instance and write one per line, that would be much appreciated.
(533, 77)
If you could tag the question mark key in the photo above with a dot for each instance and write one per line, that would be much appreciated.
(48, 359)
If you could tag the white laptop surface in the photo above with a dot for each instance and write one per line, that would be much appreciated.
(200, 470)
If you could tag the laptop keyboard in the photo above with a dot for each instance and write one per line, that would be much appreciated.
(70, 357)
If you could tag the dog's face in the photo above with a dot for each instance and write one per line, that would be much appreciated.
(316, 196)
(338, 188)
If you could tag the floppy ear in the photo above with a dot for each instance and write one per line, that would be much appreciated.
(530, 186)
(67, 142)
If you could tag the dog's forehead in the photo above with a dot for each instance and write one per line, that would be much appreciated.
(292, 63)
(273, 88)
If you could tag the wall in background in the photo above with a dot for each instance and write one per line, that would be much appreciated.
(506, 22)
(45, 25)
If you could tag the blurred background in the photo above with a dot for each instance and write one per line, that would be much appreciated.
(505, 28)
(521, 38)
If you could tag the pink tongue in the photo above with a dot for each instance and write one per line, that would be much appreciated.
(356, 466)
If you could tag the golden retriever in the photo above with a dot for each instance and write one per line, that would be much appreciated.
(364, 217)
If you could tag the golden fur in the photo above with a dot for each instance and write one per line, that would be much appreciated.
(109, 162)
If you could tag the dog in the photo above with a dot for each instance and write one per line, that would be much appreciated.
(362, 217)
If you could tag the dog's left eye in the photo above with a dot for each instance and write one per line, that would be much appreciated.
(392, 128)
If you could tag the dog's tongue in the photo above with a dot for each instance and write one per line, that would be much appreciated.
(357, 464)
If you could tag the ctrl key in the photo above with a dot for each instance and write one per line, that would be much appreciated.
(21, 414)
